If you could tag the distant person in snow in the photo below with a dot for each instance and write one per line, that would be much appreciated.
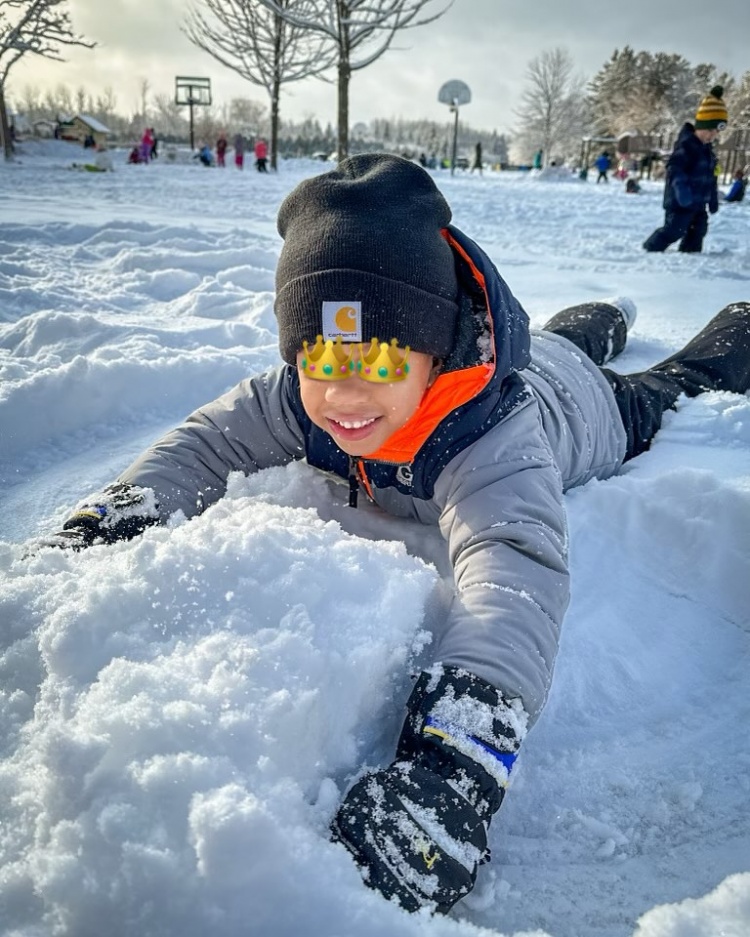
(691, 185)
(103, 160)
(261, 156)
(239, 150)
(633, 186)
(603, 164)
(477, 164)
(147, 142)
(205, 155)
(736, 192)
(410, 371)
(221, 150)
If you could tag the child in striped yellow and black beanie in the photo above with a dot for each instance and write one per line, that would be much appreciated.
(690, 186)
(712, 111)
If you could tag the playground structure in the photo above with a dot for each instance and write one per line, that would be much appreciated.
(648, 150)
(734, 152)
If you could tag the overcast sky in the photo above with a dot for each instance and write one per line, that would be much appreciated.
(488, 44)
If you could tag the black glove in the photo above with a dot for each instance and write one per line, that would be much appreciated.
(118, 512)
(74, 538)
(418, 829)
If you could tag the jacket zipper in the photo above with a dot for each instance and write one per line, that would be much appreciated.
(357, 477)
(353, 482)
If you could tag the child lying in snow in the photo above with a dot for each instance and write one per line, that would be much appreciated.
(410, 370)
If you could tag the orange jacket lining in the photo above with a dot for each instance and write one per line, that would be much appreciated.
(449, 391)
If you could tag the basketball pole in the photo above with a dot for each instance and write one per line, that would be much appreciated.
(454, 93)
(455, 137)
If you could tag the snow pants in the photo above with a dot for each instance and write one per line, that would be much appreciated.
(718, 358)
(684, 225)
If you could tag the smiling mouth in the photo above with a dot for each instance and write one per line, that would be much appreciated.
(352, 430)
(354, 424)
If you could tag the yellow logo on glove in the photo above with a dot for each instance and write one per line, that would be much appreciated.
(430, 860)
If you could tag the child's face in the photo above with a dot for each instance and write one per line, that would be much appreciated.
(706, 136)
(361, 415)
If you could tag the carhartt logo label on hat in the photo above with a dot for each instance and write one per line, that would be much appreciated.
(342, 319)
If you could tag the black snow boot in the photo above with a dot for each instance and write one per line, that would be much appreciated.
(599, 329)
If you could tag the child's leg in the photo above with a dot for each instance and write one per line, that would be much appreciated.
(676, 224)
(599, 329)
(718, 358)
(692, 242)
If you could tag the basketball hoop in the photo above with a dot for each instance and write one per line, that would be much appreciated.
(192, 92)
(454, 93)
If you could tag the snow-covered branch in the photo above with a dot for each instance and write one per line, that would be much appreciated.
(259, 44)
(366, 27)
(40, 27)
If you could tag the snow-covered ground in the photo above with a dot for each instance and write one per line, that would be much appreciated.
(179, 715)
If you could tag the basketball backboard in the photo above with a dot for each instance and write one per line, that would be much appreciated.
(196, 91)
(454, 93)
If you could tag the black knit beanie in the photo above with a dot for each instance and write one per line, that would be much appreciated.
(364, 257)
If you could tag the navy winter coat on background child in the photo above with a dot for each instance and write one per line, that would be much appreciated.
(691, 184)
(409, 369)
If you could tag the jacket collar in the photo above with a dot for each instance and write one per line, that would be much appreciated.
(508, 328)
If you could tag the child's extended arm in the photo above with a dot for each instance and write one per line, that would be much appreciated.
(249, 428)
(419, 827)
(506, 528)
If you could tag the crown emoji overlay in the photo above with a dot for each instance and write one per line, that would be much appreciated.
(383, 363)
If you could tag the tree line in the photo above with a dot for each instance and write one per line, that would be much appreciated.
(643, 93)
(295, 138)
(274, 42)
(270, 43)
(267, 42)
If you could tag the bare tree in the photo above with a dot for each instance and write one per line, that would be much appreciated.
(105, 105)
(39, 27)
(31, 100)
(552, 105)
(259, 45)
(247, 115)
(59, 102)
(168, 116)
(368, 26)
(141, 112)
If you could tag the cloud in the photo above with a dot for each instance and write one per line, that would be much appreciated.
(486, 43)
